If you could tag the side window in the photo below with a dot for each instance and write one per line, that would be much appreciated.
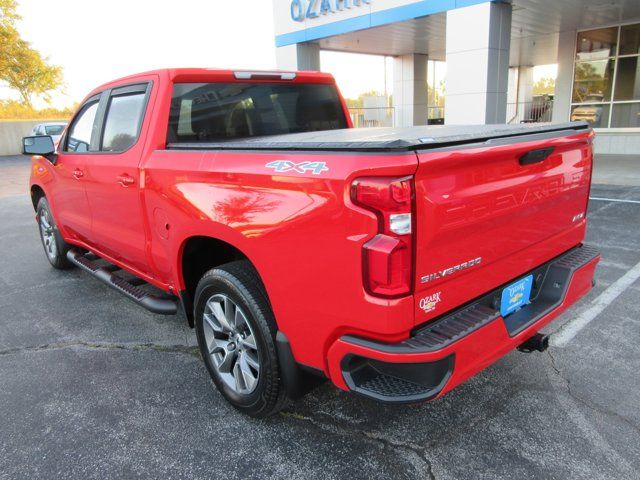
(124, 116)
(79, 136)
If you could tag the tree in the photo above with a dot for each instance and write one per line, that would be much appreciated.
(358, 102)
(21, 67)
(15, 110)
(8, 13)
(30, 75)
(436, 95)
(544, 86)
(8, 34)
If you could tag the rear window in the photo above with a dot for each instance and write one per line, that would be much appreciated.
(205, 112)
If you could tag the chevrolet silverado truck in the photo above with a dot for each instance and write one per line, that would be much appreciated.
(395, 262)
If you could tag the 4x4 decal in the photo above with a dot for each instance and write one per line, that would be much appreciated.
(287, 166)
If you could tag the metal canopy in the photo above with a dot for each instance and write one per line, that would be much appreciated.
(534, 30)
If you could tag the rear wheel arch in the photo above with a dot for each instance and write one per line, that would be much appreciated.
(36, 194)
(198, 255)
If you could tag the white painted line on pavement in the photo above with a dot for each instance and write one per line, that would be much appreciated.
(570, 329)
(619, 200)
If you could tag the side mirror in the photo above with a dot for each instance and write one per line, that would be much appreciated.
(40, 145)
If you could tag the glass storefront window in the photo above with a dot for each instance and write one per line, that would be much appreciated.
(596, 115)
(606, 82)
(625, 115)
(630, 40)
(628, 79)
(597, 44)
(593, 81)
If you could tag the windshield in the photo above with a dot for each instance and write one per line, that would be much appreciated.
(53, 129)
(204, 112)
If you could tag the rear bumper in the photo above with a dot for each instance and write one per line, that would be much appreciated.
(447, 351)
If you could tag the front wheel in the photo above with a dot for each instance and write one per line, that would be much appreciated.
(54, 246)
(236, 333)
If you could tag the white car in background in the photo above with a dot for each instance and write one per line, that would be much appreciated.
(53, 129)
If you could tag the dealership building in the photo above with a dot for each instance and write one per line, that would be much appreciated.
(490, 49)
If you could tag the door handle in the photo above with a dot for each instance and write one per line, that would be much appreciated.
(78, 174)
(125, 180)
(536, 156)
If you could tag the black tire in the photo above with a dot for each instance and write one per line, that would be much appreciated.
(239, 282)
(55, 248)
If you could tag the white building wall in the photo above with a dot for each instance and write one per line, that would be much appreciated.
(564, 79)
(512, 88)
(616, 142)
(410, 90)
(525, 84)
(477, 51)
(302, 56)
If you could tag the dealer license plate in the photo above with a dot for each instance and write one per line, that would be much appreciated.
(516, 295)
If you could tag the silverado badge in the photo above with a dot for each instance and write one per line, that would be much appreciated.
(450, 270)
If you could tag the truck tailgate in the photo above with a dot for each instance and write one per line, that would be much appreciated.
(486, 216)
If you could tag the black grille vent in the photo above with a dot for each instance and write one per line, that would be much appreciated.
(388, 386)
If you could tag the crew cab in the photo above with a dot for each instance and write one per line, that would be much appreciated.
(395, 262)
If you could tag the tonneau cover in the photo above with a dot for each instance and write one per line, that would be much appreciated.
(388, 138)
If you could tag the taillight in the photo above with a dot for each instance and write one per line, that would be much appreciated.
(387, 257)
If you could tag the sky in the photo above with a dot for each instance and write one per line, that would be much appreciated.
(98, 41)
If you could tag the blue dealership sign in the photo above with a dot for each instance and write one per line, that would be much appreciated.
(302, 9)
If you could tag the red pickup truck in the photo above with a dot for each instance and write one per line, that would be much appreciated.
(395, 262)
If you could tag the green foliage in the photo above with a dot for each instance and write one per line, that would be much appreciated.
(544, 86)
(21, 67)
(8, 34)
(8, 13)
(436, 95)
(13, 110)
(357, 102)
(30, 75)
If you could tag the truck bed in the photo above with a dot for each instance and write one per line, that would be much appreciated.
(392, 139)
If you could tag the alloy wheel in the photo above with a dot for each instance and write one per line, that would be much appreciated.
(48, 234)
(231, 344)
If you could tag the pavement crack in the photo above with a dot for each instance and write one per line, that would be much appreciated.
(587, 403)
(104, 346)
(396, 444)
(555, 368)
(420, 461)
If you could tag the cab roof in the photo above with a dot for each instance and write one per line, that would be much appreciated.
(197, 75)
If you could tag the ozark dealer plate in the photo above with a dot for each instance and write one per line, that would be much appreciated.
(516, 295)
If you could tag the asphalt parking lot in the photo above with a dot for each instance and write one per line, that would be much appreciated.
(92, 386)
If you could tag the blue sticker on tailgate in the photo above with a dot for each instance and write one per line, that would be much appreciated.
(516, 295)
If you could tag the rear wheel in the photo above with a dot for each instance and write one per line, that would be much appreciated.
(54, 246)
(236, 333)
